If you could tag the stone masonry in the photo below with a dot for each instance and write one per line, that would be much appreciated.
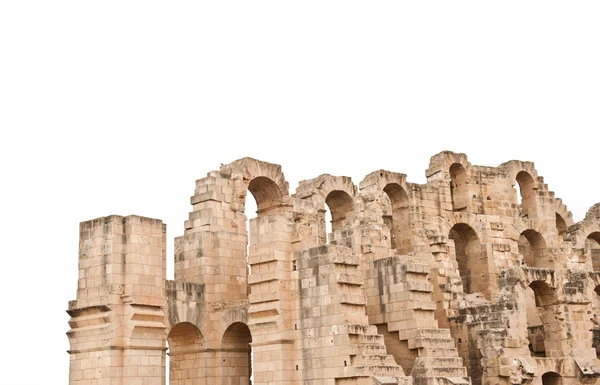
(478, 276)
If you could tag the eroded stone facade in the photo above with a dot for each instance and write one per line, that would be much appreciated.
(478, 276)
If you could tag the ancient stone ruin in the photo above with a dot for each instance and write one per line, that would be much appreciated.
(478, 276)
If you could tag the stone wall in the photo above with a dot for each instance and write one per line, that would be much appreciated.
(477, 276)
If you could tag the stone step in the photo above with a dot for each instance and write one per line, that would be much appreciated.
(350, 279)
(445, 362)
(439, 371)
(454, 381)
(406, 325)
(379, 380)
(369, 349)
(373, 359)
(420, 342)
(419, 286)
(360, 329)
(380, 370)
(438, 352)
(424, 333)
(362, 339)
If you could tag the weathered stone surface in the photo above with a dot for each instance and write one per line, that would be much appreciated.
(479, 275)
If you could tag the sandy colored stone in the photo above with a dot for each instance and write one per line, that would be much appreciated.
(477, 276)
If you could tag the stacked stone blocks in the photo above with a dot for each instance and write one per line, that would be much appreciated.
(478, 275)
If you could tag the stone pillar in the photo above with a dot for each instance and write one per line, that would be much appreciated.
(212, 250)
(117, 323)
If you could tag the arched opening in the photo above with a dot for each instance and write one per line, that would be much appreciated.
(526, 197)
(532, 247)
(185, 348)
(236, 355)
(535, 326)
(397, 220)
(251, 211)
(551, 378)
(561, 226)
(542, 325)
(339, 204)
(544, 294)
(471, 257)
(592, 250)
(458, 187)
(267, 194)
(267, 200)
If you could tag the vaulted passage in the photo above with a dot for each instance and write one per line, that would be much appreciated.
(471, 258)
(185, 349)
(236, 355)
(542, 325)
(551, 378)
(535, 326)
(532, 247)
(340, 204)
(397, 220)
(267, 194)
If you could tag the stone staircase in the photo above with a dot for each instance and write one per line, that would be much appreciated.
(404, 291)
(368, 352)
(333, 302)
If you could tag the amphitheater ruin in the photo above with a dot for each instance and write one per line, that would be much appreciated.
(478, 276)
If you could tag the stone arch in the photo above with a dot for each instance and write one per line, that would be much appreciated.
(326, 184)
(535, 325)
(592, 249)
(561, 226)
(471, 257)
(551, 378)
(545, 295)
(439, 164)
(532, 247)
(265, 181)
(513, 167)
(526, 193)
(525, 176)
(340, 203)
(541, 324)
(579, 233)
(267, 185)
(388, 192)
(398, 218)
(183, 337)
(381, 178)
(459, 191)
(230, 317)
(236, 355)
(247, 169)
(267, 194)
(185, 354)
(561, 210)
(327, 192)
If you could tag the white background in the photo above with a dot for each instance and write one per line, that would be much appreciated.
(117, 107)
